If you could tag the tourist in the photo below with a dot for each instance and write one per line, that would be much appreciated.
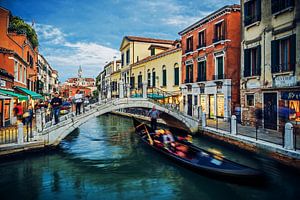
(19, 112)
(28, 117)
(258, 115)
(154, 114)
(56, 103)
(78, 101)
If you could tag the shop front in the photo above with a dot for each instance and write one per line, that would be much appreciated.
(5, 111)
(290, 106)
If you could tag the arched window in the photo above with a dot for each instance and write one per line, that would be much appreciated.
(153, 77)
(149, 77)
(132, 81)
(164, 76)
(140, 80)
(176, 74)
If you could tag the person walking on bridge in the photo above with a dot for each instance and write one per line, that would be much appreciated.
(153, 114)
(56, 103)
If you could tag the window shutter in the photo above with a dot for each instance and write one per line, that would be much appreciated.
(246, 62)
(292, 52)
(176, 75)
(274, 56)
(246, 13)
(186, 73)
(258, 64)
(258, 10)
(164, 77)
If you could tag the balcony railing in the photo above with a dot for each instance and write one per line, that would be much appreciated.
(219, 76)
(284, 67)
(219, 38)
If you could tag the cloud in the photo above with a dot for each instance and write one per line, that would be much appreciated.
(66, 56)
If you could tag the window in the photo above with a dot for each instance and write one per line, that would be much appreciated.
(252, 12)
(122, 59)
(149, 78)
(140, 79)
(16, 70)
(127, 57)
(249, 99)
(252, 61)
(21, 77)
(219, 68)
(25, 75)
(201, 71)
(189, 73)
(283, 54)
(164, 76)
(153, 77)
(176, 74)
(279, 5)
(189, 44)
(152, 51)
(132, 81)
(195, 100)
(219, 32)
(201, 39)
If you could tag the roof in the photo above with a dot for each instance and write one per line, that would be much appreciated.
(148, 40)
(164, 53)
(211, 16)
(154, 46)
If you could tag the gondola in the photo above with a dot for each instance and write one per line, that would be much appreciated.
(195, 158)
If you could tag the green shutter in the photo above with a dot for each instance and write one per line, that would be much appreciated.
(258, 62)
(292, 52)
(246, 62)
(176, 75)
(274, 56)
(164, 77)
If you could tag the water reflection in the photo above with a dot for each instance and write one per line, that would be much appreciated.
(105, 160)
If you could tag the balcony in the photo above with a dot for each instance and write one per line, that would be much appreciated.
(201, 45)
(219, 38)
(219, 76)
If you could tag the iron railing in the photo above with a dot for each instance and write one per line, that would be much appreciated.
(219, 122)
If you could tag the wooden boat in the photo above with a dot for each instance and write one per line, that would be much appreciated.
(194, 157)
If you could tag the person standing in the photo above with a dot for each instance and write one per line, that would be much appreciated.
(19, 111)
(154, 114)
(78, 101)
(28, 116)
(56, 103)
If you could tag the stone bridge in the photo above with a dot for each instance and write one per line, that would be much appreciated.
(53, 134)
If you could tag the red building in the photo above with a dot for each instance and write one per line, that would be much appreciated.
(211, 63)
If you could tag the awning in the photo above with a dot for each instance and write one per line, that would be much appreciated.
(4, 97)
(33, 95)
(13, 94)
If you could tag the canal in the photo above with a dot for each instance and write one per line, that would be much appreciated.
(103, 159)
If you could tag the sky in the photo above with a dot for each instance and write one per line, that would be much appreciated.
(89, 33)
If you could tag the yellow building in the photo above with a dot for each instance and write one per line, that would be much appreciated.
(161, 72)
(133, 49)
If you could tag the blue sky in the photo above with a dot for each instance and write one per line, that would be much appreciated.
(89, 33)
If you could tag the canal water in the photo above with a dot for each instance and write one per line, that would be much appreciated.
(104, 159)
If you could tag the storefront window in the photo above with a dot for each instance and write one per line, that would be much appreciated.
(220, 105)
(203, 103)
(250, 99)
(294, 108)
(6, 110)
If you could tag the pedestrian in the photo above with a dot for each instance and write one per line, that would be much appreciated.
(28, 116)
(154, 114)
(258, 115)
(19, 112)
(78, 101)
(56, 103)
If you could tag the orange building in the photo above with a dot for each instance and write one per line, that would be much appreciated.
(211, 63)
(17, 55)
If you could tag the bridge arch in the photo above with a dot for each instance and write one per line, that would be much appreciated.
(191, 124)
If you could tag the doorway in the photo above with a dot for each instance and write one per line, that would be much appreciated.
(211, 106)
(190, 106)
(270, 111)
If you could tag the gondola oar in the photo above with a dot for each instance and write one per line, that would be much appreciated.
(150, 139)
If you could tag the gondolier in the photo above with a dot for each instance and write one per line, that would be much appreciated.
(153, 114)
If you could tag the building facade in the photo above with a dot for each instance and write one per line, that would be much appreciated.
(270, 78)
(211, 64)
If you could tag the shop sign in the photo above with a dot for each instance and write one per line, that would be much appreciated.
(284, 81)
(290, 95)
(2, 83)
(251, 84)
